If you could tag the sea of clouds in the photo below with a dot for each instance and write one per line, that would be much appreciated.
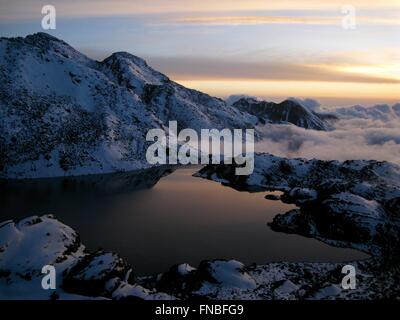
(367, 133)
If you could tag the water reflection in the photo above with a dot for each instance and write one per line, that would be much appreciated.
(157, 223)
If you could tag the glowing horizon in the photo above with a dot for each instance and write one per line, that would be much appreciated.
(257, 47)
(302, 89)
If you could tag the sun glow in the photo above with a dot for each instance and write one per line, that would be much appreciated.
(386, 71)
(317, 89)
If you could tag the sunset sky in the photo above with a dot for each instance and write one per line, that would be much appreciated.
(270, 48)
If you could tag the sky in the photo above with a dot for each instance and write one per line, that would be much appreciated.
(272, 49)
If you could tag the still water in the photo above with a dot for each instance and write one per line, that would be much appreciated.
(156, 219)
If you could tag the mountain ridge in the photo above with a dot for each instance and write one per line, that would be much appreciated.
(66, 114)
(288, 111)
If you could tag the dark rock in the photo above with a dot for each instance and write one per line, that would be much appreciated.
(91, 274)
(347, 204)
(272, 197)
(288, 111)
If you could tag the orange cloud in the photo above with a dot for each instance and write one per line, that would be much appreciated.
(24, 9)
(330, 70)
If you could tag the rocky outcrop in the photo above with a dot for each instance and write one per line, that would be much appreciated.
(347, 204)
(26, 246)
(29, 244)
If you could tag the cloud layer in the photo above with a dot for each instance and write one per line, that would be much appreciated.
(296, 20)
(366, 136)
(198, 68)
(22, 9)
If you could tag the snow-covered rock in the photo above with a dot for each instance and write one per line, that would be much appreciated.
(127, 291)
(284, 281)
(300, 195)
(380, 180)
(29, 244)
(347, 204)
(64, 114)
(284, 290)
(26, 246)
(91, 274)
(228, 274)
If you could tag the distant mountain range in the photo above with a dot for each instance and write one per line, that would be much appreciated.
(288, 111)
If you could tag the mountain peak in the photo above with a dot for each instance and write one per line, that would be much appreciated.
(288, 111)
(80, 116)
(42, 39)
(43, 36)
(132, 71)
(43, 43)
(123, 55)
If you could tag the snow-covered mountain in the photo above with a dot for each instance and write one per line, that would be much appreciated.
(65, 114)
(288, 111)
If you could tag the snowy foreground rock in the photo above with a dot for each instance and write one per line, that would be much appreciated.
(352, 204)
(29, 244)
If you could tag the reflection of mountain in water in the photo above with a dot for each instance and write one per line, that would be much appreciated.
(95, 185)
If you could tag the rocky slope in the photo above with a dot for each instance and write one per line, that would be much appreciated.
(27, 245)
(288, 111)
(352, 204)
(64, 114)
